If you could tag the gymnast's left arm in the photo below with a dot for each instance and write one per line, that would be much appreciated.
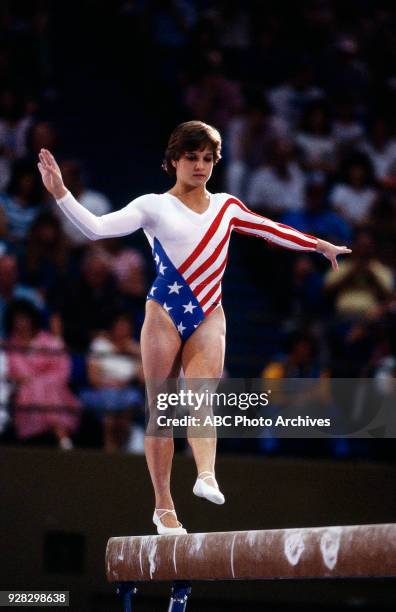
(248, 222)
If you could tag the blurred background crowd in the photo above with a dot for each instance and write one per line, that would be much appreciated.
(304, 96)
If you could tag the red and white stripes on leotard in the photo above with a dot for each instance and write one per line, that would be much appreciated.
(203, 270)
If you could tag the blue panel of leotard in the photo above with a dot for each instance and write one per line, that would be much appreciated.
(174, 294)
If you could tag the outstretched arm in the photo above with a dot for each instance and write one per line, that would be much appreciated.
(249, 222)
(119, 223)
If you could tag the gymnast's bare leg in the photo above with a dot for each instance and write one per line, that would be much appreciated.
(203, 357)
(161, 348)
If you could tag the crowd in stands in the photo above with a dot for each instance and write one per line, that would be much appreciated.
(304, 95)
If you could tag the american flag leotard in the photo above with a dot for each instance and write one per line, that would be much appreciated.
(190, 249)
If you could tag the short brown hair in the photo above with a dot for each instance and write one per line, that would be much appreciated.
(191, 136)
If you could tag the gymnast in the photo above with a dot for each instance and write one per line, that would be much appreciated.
(189, 230)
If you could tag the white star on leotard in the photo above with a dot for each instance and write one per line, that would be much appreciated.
(175, 288)
(195, 326)
(181, 328)
(167, 308)
(152, 290)
(188, 307)
(162, 268)
(156, 258)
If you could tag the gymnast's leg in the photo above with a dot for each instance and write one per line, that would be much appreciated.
(161, 347)
(203, 357)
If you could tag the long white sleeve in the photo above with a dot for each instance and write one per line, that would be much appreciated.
(135, 215)
(248, 222)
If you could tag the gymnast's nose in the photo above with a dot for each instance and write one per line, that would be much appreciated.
(199, 165)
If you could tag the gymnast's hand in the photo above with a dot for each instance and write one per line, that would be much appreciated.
(51, 174)
(331, 251)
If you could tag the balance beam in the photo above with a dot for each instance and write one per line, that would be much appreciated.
(321, 552)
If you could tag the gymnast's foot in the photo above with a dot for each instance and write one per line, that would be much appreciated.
(166, 522)
(207, 487)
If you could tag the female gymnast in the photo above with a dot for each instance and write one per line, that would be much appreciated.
(189, 230)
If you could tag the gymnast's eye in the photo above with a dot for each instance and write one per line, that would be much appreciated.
(193, 157)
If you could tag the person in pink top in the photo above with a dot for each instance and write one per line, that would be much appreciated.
(40, 371)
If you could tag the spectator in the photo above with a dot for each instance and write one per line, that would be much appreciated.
(23, 200)
(40, 369)
(290, 99)
(316, 219)
(389, 180)
(43, 264)
(380, 147)
(301, 359)
(315, 142)
(114, 372)
(310, 394)
(84, 303)
(279, 185)
(349, 74)
(14, 126)
(5, 245)
(362, 282)
(347, 131)
(300, 295)
(11, 289)
(213, 97)
(382, 222)
(249, 136)
(42, 135)
(354, 197)
(352, 345)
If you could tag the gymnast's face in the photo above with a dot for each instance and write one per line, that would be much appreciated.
(194, 168)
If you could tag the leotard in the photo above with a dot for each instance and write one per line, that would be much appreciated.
(189, 248)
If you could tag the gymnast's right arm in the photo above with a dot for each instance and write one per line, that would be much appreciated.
(119, 223)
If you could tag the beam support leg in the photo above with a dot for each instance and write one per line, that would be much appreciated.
(179, 596)
(126, 590)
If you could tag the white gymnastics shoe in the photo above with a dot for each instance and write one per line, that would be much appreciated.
(161, 529)
(203, 489)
